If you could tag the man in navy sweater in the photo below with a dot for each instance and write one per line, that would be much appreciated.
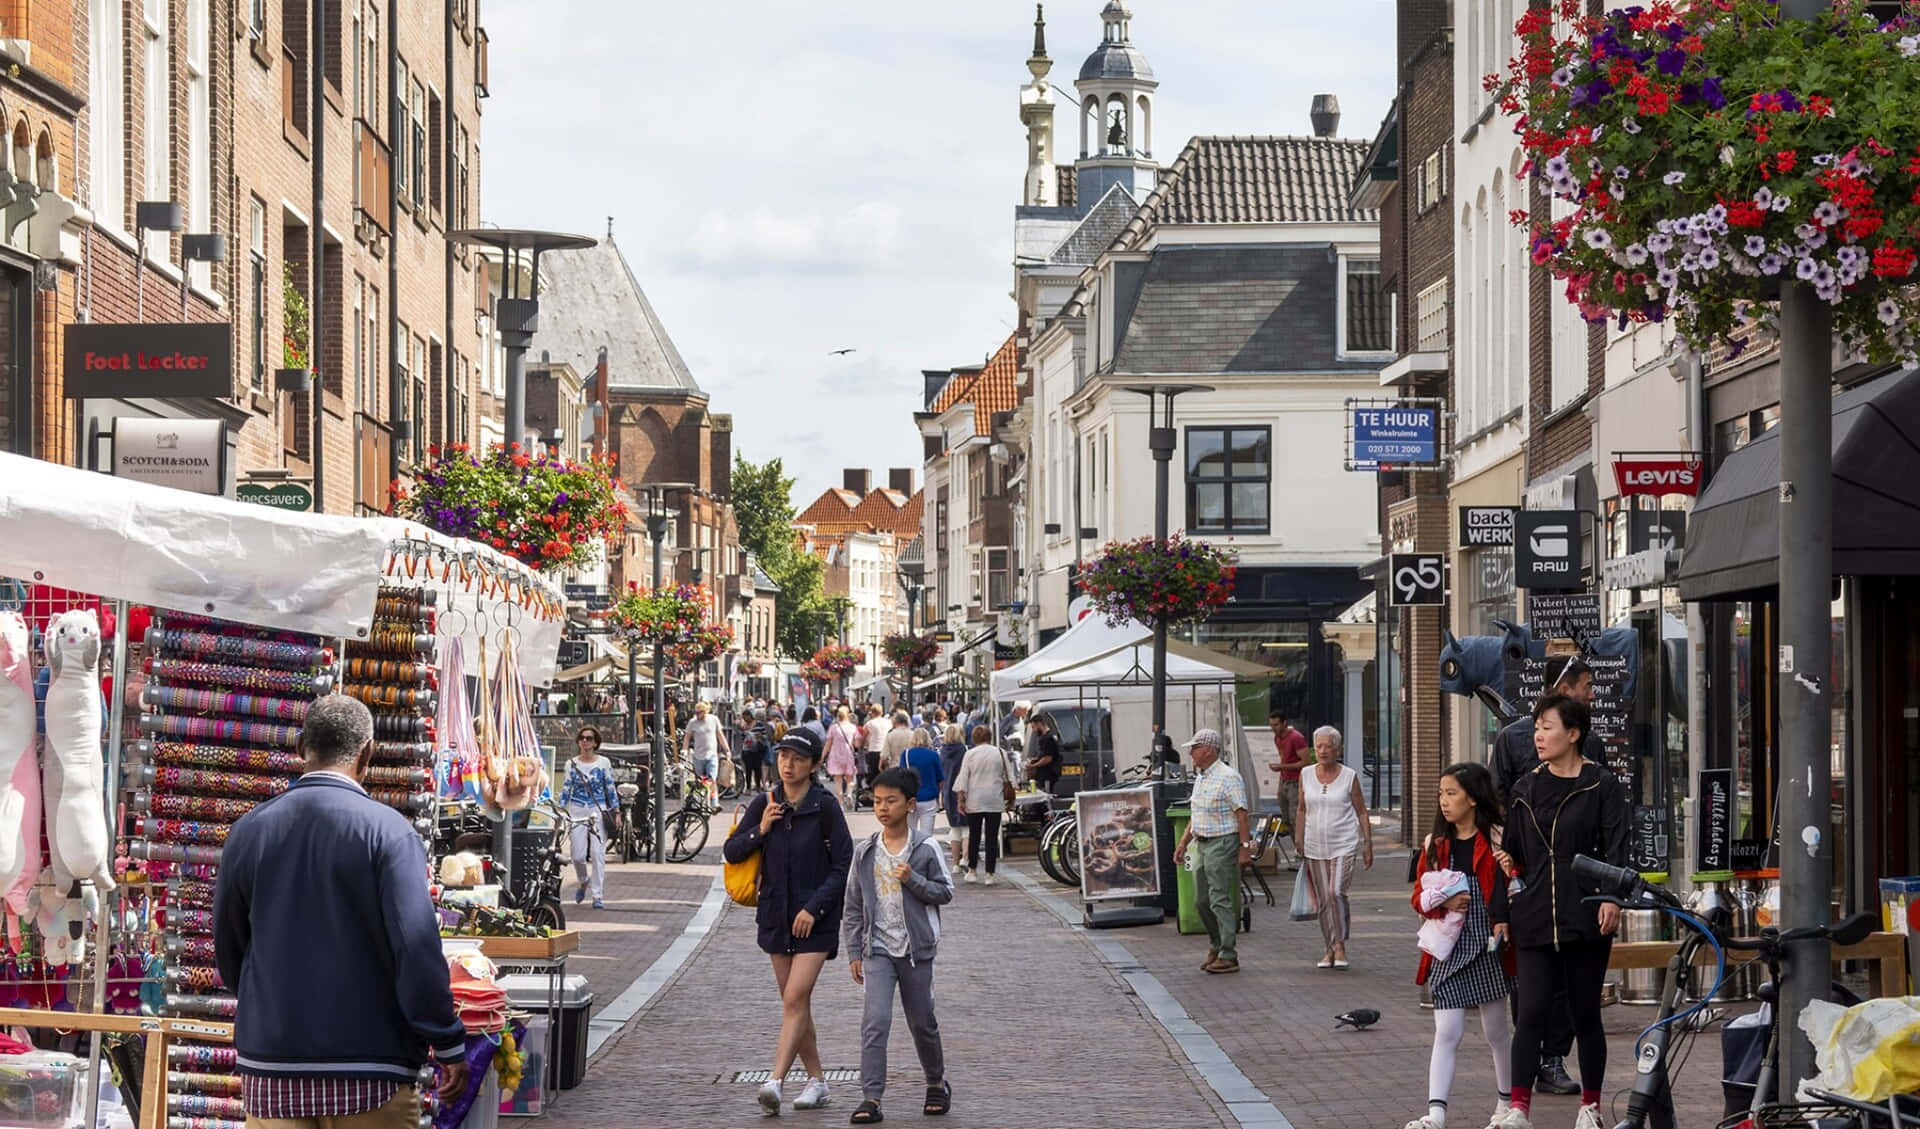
(324, 929)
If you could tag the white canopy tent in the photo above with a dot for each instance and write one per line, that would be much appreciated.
(318, 573)
(1095, 663)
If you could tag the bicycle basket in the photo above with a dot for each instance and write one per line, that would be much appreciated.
(1792, 1115)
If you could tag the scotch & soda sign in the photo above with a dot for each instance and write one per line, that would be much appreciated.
(131, 361)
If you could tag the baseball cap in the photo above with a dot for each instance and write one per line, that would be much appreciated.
(805, 741)
(1208, 737)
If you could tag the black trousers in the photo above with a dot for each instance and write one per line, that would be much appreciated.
(983, 825)
(1574, 973)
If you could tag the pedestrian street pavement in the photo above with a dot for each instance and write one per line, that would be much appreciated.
(1046, 1023)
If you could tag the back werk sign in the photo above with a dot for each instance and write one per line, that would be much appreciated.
(135, 361)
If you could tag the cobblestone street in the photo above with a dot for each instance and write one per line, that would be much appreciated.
(1048, 1024)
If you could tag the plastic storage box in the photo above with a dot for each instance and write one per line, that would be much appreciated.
(42, 1090)
(1896, 894)
(529, 993)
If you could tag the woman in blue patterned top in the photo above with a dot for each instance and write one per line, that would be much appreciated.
(587, 794)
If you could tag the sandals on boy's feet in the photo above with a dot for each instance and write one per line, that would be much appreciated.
(939, 1099)
(866, 1113)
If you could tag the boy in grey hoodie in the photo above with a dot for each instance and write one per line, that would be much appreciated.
(891, 930)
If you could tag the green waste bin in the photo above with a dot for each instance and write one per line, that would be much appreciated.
(1189, 915)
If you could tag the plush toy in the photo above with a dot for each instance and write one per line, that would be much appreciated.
(76, 803)
(60, 920)
(17, 736)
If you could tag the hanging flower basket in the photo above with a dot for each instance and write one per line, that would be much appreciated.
(1146, 582)
(838, 661)
(706, 644)
(813, 672)
(910, 652)
(1702, 153)
(748, 667)
(547, 513)
(671, 615)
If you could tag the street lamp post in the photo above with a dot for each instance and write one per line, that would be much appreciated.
(910, 573)
(657, 516)
(840, 609)
(1161, 440)
(517, 313)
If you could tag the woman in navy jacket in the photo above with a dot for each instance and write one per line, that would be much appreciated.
(801, 833)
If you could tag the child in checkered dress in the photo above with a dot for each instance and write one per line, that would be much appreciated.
(1478, 970)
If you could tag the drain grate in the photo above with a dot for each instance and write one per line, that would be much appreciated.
(798, 1076)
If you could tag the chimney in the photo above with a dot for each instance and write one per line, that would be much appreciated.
(901, 480)
(858, 481)
(1326, 115)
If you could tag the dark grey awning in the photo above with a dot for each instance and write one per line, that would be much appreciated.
(1733, 537)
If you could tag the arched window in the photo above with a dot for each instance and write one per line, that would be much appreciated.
(23, 151)
(1090, 131)
(1116, 133)
(1143, 125)
(46, 166)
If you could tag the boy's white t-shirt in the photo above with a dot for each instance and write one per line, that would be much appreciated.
(890, 910)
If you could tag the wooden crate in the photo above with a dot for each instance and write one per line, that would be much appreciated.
(529, 948)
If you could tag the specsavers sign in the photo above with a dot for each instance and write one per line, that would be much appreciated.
(186, 454)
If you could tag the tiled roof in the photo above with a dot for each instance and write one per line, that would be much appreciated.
(1255, 180)
(1066, 185)
(1096, 231)
(592, 300)
(889, 511)
(991, 389)
(1208, 310)
(832, 506)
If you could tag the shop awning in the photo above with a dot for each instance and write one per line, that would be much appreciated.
(1733, 536)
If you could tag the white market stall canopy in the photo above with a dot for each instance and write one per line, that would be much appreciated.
(316, 573)
(1093, 651)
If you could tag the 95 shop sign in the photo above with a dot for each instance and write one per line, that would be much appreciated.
(145, 360)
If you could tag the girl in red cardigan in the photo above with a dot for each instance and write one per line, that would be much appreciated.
(1476, 974)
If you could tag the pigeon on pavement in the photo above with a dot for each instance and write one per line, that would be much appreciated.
(1359, 1019)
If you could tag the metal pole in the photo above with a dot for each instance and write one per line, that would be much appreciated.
(317, 295)
(1160, 439)
(657, 529)
(1805, 658)
(517, 393)
(102, 945)
(633, 689)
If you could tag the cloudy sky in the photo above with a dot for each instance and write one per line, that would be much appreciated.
(792, 178)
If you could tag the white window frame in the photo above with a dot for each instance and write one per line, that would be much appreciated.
(107, 113)
(156, 172)
(1341, 352)
(1567, 338)
(977, 577)
(199, 130)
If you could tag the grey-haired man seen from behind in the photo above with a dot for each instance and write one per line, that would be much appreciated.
(324, 928)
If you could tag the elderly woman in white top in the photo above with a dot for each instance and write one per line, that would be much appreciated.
(1334, 833)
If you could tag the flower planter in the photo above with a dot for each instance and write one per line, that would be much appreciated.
(1146, 582)
(548, 513)
(1705, 153)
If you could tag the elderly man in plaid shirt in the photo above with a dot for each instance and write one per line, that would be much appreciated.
(1223, 842)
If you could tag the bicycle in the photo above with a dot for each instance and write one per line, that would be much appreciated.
(688, 828)
(1060, 847)
(1650, 1103)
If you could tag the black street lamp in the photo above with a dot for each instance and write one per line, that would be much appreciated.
(657, 514)
(1161, 440)
(911, 570)
(517, 312)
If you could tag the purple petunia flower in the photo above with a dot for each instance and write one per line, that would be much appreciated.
(1674, 177)
(1711, 93)
(1709, 258)
(1805, 269)
(1756, 246)
(1671, 61)
(1635, 254)
(1598, 239)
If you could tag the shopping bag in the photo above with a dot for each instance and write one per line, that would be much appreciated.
(1302, 908)
(742, 878)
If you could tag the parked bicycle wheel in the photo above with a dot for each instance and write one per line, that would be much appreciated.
(1049, 850)
(1067, 850)
(686, 834)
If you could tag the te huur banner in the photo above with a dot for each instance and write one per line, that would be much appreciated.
(137, 361)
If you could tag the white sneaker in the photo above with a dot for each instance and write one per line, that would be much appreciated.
(1423, 1122)
(971, 879)
(1587, 1118)
(770, 1099)
(1511, 1119)
(814, 1096)
(989, 881)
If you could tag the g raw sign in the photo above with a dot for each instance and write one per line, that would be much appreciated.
(1416, 580)
(1546, 549)
(143, 360)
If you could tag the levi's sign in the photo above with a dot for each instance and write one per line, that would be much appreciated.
(145, 360)
(1666, 474)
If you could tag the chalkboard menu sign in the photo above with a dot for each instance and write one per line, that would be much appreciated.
(1563, 615)
(1647, 845)
(1715, 813)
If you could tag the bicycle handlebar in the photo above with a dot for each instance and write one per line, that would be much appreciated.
(1619, 882)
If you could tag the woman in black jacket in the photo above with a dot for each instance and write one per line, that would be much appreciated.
(806, 850)
(1567, 806)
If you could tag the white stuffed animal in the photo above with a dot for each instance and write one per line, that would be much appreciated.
(75, 772)
(16, 740)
